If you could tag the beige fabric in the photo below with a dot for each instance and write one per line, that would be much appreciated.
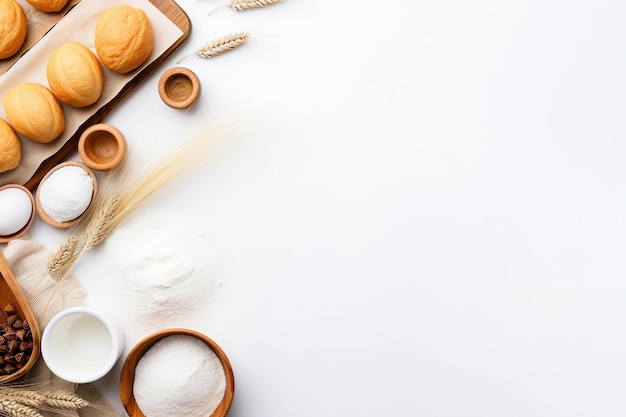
(28, 260)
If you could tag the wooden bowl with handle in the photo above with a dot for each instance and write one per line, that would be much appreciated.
(10, 293)
(127, 377)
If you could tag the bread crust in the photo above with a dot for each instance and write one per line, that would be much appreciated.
(48, 5)
(124, 38)
(75, 75)
(13, 28)
(10, 147)
(34, 112)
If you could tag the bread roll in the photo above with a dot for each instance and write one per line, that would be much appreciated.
(75, 75)
(34, 112)
(13, 28)
(48, 5)
(124, 38)
(10, 147)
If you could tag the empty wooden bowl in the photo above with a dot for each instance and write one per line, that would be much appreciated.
(179, 87)
(10, 293)
(102, 147)
(127, 377)
(23, 218)
(63, 224)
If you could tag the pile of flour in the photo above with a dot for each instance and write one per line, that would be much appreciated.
(161, 270)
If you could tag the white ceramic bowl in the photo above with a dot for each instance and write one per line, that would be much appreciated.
(81, 344)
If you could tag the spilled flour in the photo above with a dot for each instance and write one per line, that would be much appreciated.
(161, 271)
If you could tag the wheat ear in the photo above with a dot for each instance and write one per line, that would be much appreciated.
(219, 46)
(64, 400)
(22, 396)
(63, 255)
(15, 409)
(58, 262)
(241, 5)
(99, 226)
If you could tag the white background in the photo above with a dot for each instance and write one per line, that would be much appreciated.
(425, 216)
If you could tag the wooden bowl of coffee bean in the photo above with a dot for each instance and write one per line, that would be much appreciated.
(19, 331)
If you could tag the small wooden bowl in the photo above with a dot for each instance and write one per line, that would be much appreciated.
(102, 147)
(44, 216)
(127, 377)
(10, 292)
(20, 233)
(179, 87)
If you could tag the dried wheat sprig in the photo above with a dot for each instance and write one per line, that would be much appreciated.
(135, 189)
(15, 409)
(58, 262)
(219, 46)
(22, 396)
(127, 190)
(100, 225)
(63, 255)
(241, 5)
(64, 400)
(94, 234)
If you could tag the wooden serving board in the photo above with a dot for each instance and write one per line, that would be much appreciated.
(175, 14)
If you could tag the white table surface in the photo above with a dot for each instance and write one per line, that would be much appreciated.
(426, 217)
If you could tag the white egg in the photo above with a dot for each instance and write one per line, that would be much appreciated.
(16, 209)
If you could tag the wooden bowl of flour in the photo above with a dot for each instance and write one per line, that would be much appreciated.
(66, 193)
(128, 375)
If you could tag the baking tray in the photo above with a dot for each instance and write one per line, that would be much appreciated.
(68, 144)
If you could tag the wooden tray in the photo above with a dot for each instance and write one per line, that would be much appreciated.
(173, 12)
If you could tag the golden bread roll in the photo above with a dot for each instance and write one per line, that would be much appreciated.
(34, 112)
(48, 5)
(124, 38)
(75, 75)
(13, 28)
(10, 147)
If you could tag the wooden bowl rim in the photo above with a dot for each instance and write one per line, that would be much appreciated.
(44, 216)
(174, 72)
(127, 376)
(22, 231)
(86, 140)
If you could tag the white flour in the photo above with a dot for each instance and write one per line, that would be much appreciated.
(162, 270)
(179, 376)
(66, 194)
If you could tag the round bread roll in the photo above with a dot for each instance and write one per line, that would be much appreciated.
(34, 112)
(13, 28)
(10, 147)
(75, 75)
(124, 38)
(48, 5)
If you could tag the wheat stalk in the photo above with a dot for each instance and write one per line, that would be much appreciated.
(64, 400)
(22, 396)
(219, 46)
(100, 225)
(241, 5)
(15, 409)
(20, 402)
(63, 255)
(128, 190)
